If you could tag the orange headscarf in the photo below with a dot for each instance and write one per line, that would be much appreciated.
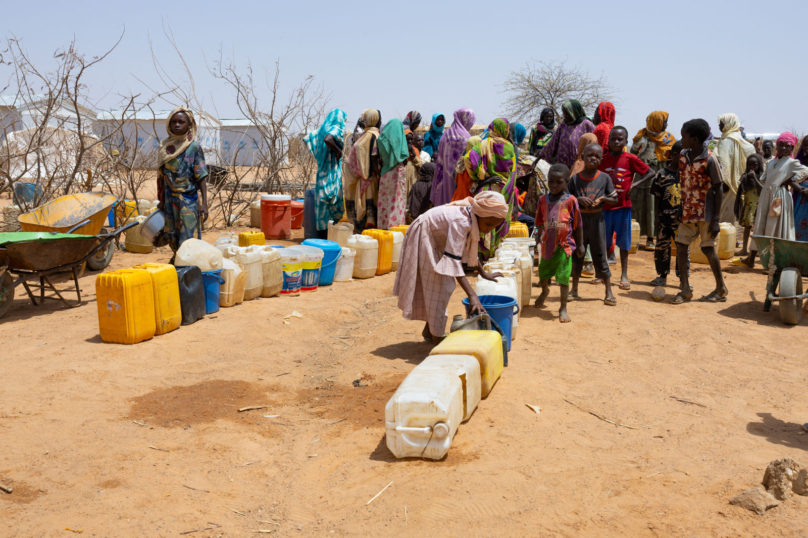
(656, 133)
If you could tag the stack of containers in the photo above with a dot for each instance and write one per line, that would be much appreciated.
(398, 241)
(520, 255)
(385, 239)
(511, 265)
(367, 255)
(531, 245)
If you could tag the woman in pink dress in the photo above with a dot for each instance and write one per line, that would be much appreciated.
(435, 248)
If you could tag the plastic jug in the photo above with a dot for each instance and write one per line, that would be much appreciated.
(485, 346)
(192, 294)
(385, 239)
(483, 322)
(517, 229)
(367, 255)
(226, 239)
(249, 259)
(340, 232)
(345, 265)
(292, 263)
(246, 239)
(635, 237)
(464, 367)
(398, 240)
(511, 265)
(135, 242)
(232, 292)
(199, 253)
(523, 259)
(312, 263)
(298, 206)
(125, 211)
(255, 214)
(272, 269)
(507, 286)
(167, 309)
(531, 244)
(143, 206)
(400, 228)
(727, 240)
(125, 300)
(422, 417)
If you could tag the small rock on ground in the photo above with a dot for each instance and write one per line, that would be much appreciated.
(756, 500)
(780, 478)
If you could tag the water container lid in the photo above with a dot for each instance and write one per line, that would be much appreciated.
(291, 252)
(312, 253)
(348, 252)
(323, 244)
(276, 197)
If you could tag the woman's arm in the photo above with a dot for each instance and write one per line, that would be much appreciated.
(203, 207)
(474, 301)
(334, 145)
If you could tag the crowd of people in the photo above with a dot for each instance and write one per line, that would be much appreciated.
(460, 194)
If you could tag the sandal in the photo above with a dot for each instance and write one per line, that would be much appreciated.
(610, 302)
(738, 262)
(624, 285)
(659, 281)
(713, 297)
(680, 299)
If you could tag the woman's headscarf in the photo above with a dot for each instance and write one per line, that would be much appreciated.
(470, 143)
(412, 117)
(450, 150)
(333, 125)
(788, 138)
(493, 156)
(485, 204)
(393, 145)
(585, 140)
(607, 114)
(433, 136)
(540, 130)
(519, 133)
(174, 145)
(575, 110)
(654, 131)
(734, 165)
(329, 171)
(363, 145)
(800, 155)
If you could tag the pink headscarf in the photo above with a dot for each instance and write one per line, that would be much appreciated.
(485, 204)
(788, 138)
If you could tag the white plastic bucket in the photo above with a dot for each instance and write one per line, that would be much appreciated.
(344, 270)
(312, 263)
(292, 260)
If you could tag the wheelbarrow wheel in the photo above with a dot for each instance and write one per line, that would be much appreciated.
(102, 258)
(6, 294)
(790, 285)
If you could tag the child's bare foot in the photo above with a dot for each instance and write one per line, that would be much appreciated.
(563, 317)
(542, 297)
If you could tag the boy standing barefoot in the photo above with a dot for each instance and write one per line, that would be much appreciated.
(592, 188)
(622, 166)
(702, 193)
(557, 219)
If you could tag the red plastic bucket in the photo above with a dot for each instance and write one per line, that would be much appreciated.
(276, 216)
(297, 215)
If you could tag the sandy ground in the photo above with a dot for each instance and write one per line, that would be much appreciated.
(146, 440)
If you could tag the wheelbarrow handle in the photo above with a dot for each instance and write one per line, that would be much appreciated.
(76, 227)
(119, 231)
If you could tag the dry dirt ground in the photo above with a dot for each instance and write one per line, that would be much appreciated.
(147, 440)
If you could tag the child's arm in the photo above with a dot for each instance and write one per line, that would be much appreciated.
(647, 177)
(758, 183)
(737, 209)
(580, 250)
(718, 195)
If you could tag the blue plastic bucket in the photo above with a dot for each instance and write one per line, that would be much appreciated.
(26, 192)
(332, 252)
(212, 282)
(310, 230)
(501, 309)
(111, 216)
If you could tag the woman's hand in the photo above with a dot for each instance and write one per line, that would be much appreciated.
(203, 213)
(475, 306)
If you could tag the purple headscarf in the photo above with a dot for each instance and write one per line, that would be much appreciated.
(450, 150)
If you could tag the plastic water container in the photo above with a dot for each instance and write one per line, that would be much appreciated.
(517, 229)
(398, 240)
(272, 268)
(422, 417)
(502, 310)
(232, 291)
(485, 346)
(531, 244)
(125, 300)
(246, 239)
(292, 263)
(635, 237)
(226, 239)
(331, 254)
(212, 281)
(725, 245)
(510, 265)
(367, 255)
(255, 214)
(345, 265)
(312, 263)
(125, 211)
(135, 242)
(340, 232)
(276, 216)
(400, 228)
(143, 206)
(467, 369)
(199, 253)
(250, 259)
(525, 262)
(506, 286)
(165, 285)
(385, 239)
(298, 207)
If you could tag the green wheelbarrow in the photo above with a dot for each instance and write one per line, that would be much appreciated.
(786, 262)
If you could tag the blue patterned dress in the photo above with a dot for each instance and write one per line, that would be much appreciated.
(181, 177)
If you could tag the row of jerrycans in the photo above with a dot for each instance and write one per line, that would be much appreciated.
(422, 417)
(249, 268)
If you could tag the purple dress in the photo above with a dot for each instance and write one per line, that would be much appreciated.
(450, 150)
(564, 143)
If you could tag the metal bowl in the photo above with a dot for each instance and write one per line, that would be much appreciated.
(153, 225)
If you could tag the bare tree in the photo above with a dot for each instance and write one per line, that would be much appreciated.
(542, 84)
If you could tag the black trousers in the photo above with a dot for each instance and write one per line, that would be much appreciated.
(595, 239)
(666, 233)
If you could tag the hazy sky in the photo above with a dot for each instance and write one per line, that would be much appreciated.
(692, 59)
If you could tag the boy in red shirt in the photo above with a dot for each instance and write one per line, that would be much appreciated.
(700, 184)
(622, 166)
